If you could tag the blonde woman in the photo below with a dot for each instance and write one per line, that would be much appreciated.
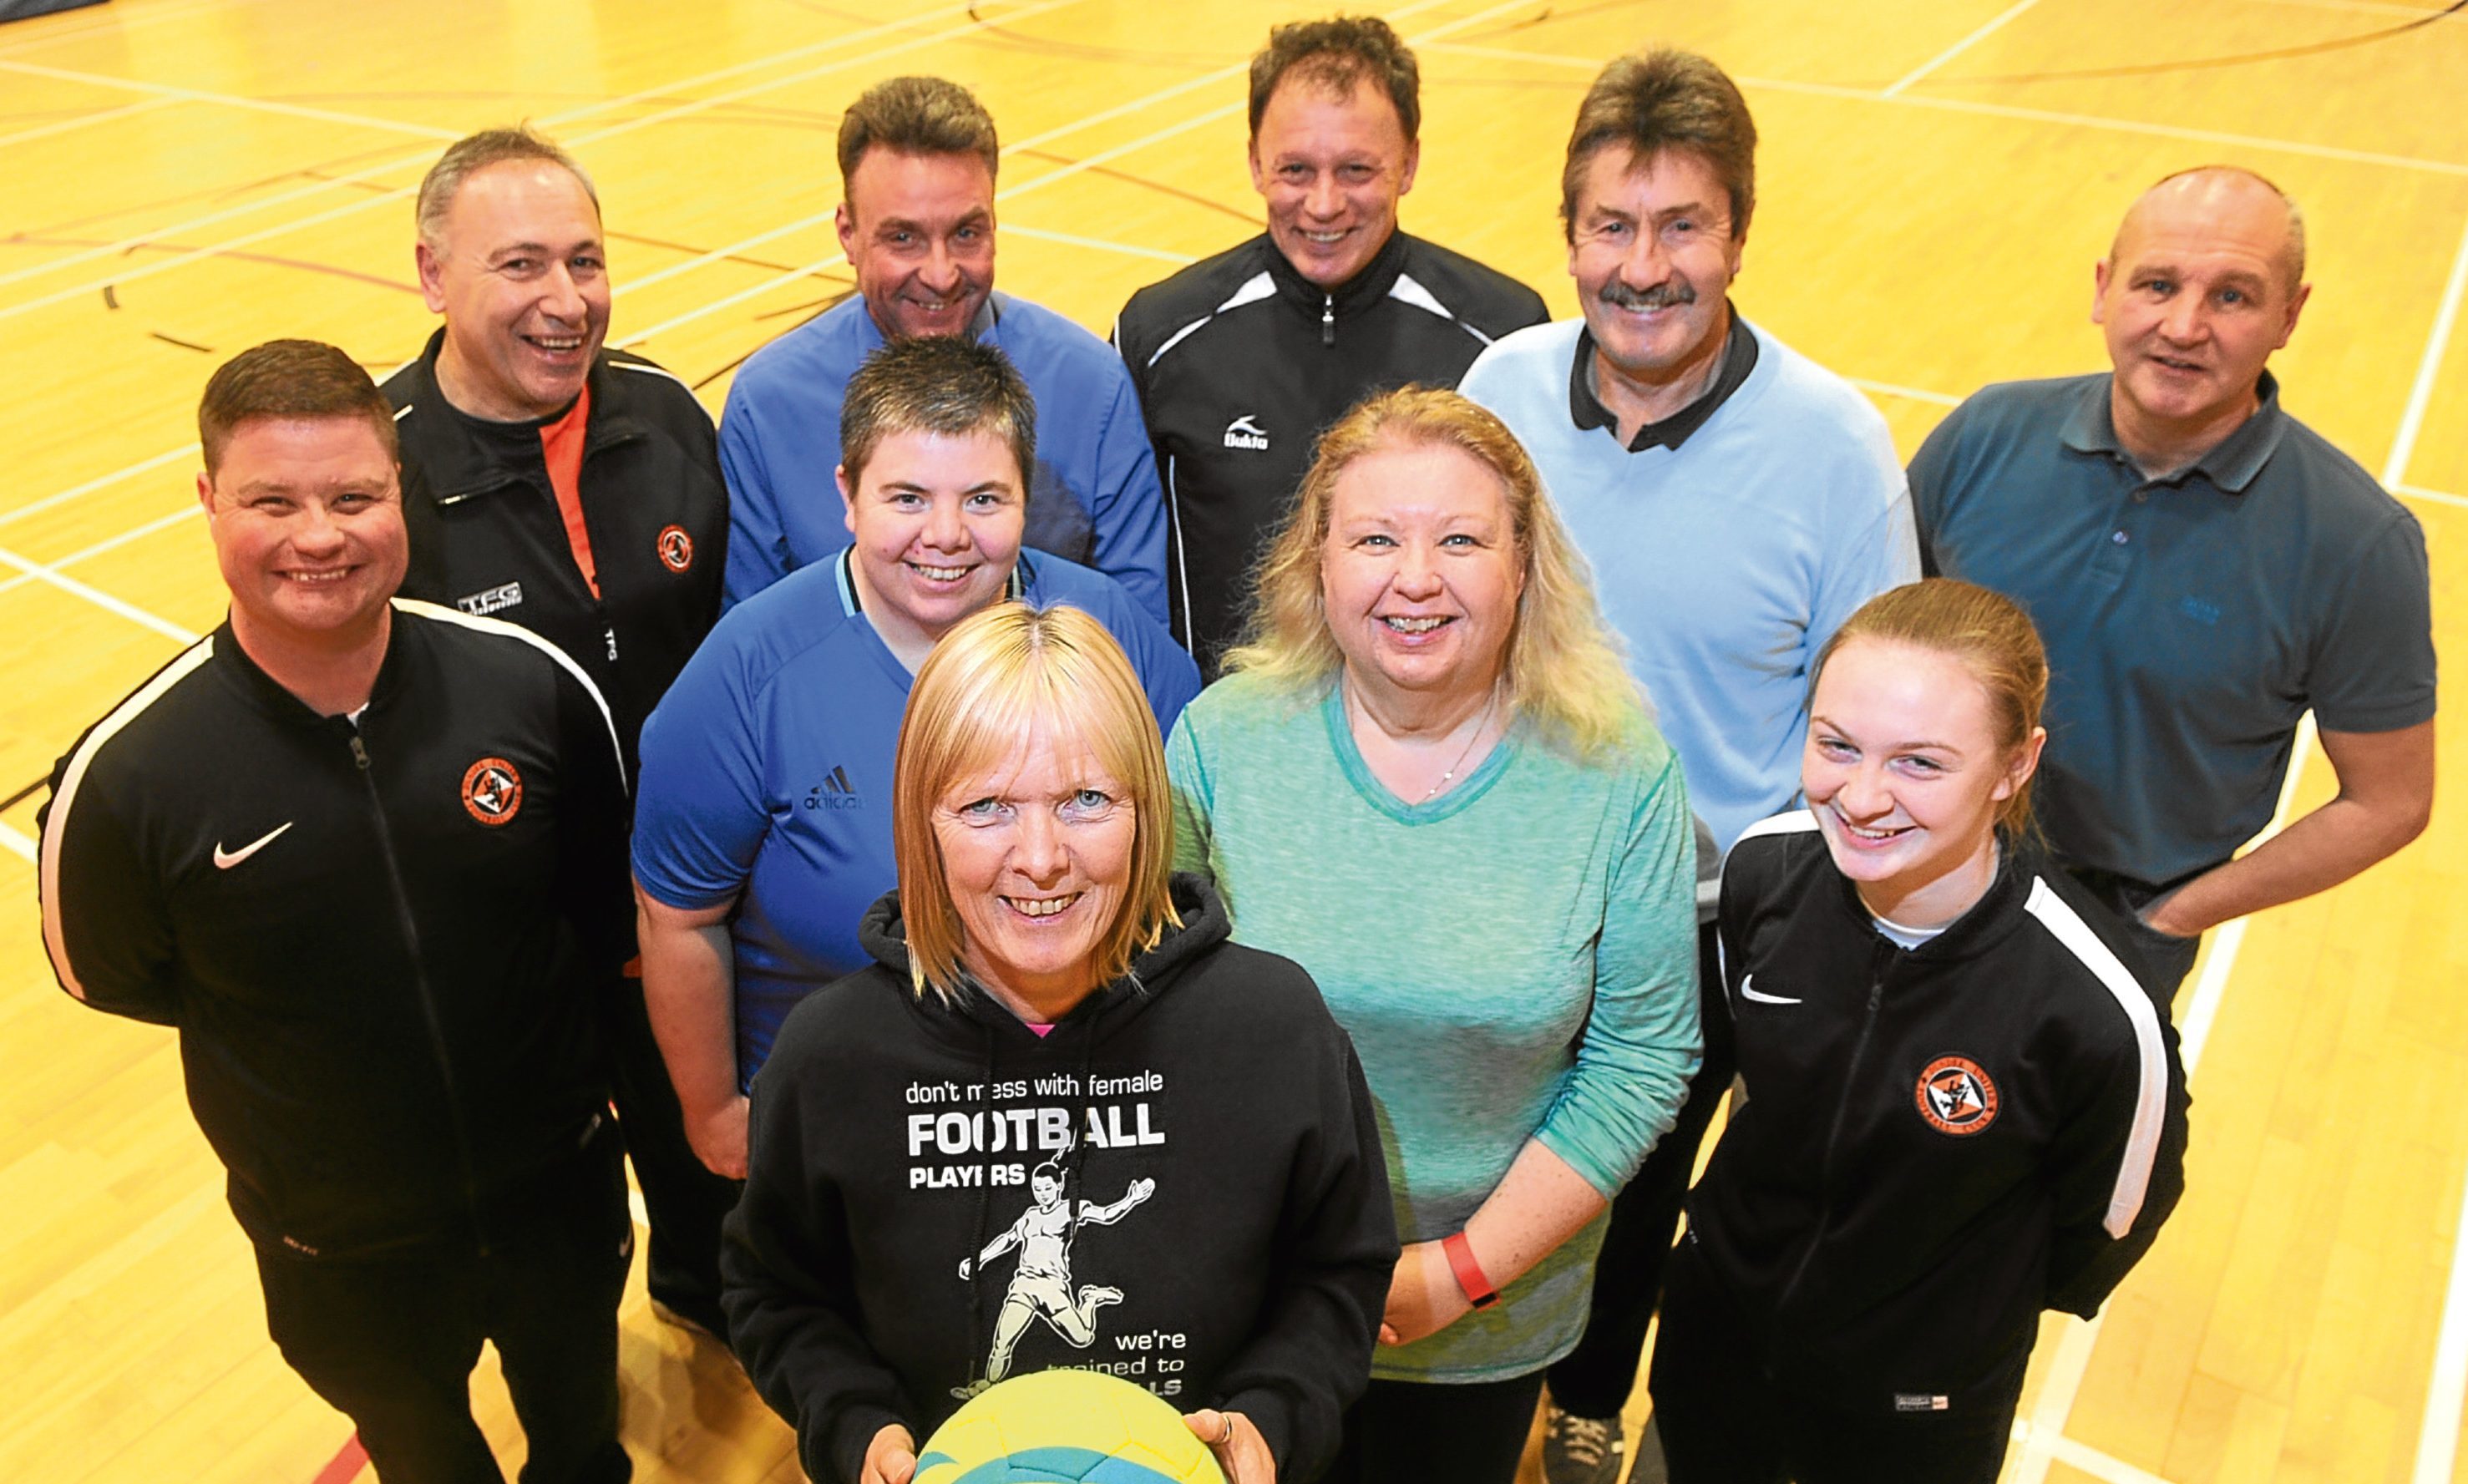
(1430, 781)
(1061, 1121)
(1962, 1107)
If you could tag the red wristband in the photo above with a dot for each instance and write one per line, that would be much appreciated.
(1471, 1277)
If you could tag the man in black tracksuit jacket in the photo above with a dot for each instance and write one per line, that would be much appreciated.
(576, 493)
(368, 856)
(1241, 360)
(1933, 1145)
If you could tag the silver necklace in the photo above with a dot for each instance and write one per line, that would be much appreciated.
(1482, 724)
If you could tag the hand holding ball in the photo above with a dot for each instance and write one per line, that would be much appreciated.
(1066, 1427)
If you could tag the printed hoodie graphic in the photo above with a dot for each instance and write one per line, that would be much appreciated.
(1040, 1285)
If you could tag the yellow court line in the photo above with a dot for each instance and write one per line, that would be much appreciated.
(227, 99)
(553, 120)
(97, 596)
(100, 115)
(2006, 111)
(1921, 72)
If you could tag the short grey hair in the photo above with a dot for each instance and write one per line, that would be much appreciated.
(477, 152)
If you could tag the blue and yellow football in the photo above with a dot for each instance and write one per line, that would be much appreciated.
(1066, 1427)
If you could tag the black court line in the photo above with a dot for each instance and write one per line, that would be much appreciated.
(25, 793)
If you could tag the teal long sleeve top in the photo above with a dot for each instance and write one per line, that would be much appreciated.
(1514, 960)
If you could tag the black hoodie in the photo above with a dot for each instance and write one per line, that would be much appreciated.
(1180, 1183)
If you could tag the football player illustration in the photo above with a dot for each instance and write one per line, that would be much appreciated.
(1040, 1284)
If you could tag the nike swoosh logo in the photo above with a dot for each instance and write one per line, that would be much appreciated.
(225, 860)
(1747, 991)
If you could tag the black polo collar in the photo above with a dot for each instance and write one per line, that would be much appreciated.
(1586, 410)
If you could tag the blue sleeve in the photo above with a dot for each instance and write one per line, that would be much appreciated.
(1642, 1037)
(1129, 505)
(758, 547)
(1884, 550)
(700, 815)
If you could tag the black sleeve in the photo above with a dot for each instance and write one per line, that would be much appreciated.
(787, 1282)
(594, 823)
(1310, 1358)
(105, 922)
(2096, 1244)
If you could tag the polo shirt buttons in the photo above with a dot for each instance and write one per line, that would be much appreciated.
(2119, 537)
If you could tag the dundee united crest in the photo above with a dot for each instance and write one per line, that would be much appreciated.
(1957, 1097)
(676, 548)
(492, 792)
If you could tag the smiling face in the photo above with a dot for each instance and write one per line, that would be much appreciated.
(918, 231)
(1331, 169)
(2193, 298)
(1420, 572)
(1037, 857)
(1653, 253)
(935, 521)
(1904, 774)
(520, 275)
(308, 528)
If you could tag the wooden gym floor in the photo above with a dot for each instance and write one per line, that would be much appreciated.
(182, 178)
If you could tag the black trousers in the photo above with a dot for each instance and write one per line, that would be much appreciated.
(391, 1343)
(1723, 1421)
(685, 1200)
(1423, 1432)
(1595, 1378)
(2166, 958)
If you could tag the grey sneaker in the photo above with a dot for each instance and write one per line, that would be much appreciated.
(1581, 1450)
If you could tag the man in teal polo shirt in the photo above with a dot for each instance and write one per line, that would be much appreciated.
(2205, 569)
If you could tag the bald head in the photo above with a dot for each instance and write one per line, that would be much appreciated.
(2228, 199)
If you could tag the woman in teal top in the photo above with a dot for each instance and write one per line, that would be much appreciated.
(1429, 779)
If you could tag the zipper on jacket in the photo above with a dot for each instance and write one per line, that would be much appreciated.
(427, 997)
(1328, 319)
(1834, 1135)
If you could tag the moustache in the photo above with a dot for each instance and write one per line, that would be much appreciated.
(1661, 296)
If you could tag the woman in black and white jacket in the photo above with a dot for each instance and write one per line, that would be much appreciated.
(1958, 1105)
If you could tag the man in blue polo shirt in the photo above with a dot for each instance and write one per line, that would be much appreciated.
(762, 828)
(2205, 569)
(917, 158)
(1737, 502)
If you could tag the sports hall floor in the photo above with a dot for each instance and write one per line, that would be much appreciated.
(182, 178)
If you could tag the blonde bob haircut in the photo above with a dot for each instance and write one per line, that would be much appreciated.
(999, 677)
(1563, 671)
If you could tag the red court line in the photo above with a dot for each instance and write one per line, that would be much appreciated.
(344, 1466)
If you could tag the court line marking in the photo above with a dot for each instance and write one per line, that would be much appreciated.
(2412, 491)
(2008, 111)
(99, 116)
(136, 533)
(1069, 241)
(99, 482)
(2055, 1405)
(82, 27)
(1889, 388)
(553, 120)
(193, 94)
(2429, 368)
(1920, 72)
(1076, 168)
(97, 596)
(16, 841)
(2361, 7)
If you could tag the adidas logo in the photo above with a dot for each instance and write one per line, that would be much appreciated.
(834, 792)
(1243, 433)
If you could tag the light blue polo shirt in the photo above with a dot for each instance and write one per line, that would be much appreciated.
(767, 772)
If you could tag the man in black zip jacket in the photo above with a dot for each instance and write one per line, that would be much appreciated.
(368, 854)
(576, 492)
(1243, 358)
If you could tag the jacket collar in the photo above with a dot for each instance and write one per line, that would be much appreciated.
(267, 697)
(1349, 298)
(461, 455)
(1995, 914)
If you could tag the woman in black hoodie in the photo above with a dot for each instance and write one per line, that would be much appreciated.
(1061, 1121)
